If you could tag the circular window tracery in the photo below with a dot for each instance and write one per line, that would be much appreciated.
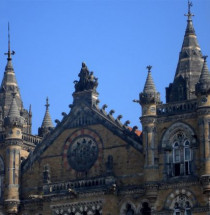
(82, 153)
(83, 150)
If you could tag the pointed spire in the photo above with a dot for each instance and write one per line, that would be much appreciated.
(149, 94)
(13, 111)
(9, 53)
(205, 76)
(47, 122)
(13, 118)
(9, 83)
(29, 111)
(189, 65)
(203, 86)
(149, 86)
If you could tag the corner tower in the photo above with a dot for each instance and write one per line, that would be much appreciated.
(13, 144)
(148, 100)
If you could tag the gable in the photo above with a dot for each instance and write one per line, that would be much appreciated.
(83, 117)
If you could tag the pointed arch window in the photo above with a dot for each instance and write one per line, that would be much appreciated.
(182, 155)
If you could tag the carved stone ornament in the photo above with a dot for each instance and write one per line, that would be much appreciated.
(87, 80)
(82, 151)
(174, 129)
(94, 207)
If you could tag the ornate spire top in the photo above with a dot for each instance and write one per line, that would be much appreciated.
(149, 85)
(47, 103)
(189, 14)
(9, 53)
(149, 94)
(47, 122)
(149, 68)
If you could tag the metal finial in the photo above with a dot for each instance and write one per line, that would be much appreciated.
(149, 68)
(189, 15)
(8, 38)
(205, 57)
(9, 53)
(47, 103)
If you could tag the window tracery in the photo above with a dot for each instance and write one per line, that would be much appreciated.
(179, 144)
(181, 154)
(182, 206)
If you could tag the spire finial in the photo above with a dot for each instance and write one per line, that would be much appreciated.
(47, 103)
(205, 57)
(9, 53)
(149, 68)
(189, 14)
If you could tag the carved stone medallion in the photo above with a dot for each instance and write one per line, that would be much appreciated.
(82, 153)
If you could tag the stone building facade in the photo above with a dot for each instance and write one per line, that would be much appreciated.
(91, 163)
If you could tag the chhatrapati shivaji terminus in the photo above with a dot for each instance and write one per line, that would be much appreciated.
(92, 163)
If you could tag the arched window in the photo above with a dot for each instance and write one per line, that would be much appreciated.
(179, 144)
(181, 155)
(129, 210)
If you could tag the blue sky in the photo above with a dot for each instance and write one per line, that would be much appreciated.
(116, 38)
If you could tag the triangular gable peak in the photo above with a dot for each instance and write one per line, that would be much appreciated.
(86, 112)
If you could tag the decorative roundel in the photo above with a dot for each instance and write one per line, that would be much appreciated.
(82, 150)
(82, 153)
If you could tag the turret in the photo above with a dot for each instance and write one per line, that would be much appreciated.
(203, 86)
(203, 111)
(13, 142)
(47, 124)
(149, 99)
